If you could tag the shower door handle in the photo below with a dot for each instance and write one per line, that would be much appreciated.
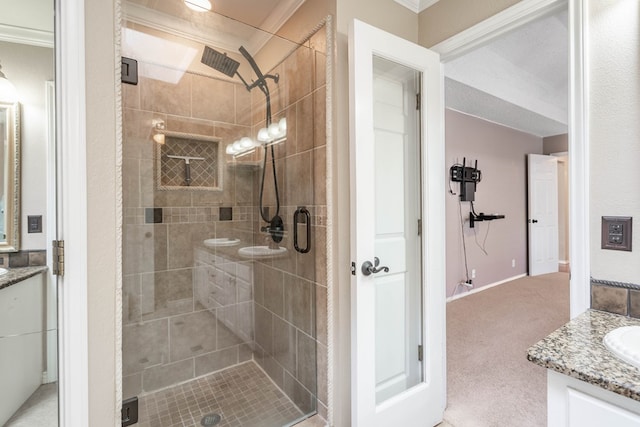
(369, 269)
(296, 220)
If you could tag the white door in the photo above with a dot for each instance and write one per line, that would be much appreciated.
(397, 217)
(543, 214)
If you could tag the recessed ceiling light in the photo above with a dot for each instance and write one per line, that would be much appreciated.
(198, 5)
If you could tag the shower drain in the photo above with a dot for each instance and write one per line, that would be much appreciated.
(210, 420)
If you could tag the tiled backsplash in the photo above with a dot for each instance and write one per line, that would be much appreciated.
(23, 258)
(614, 297)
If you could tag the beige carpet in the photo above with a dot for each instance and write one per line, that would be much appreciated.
(489, 380)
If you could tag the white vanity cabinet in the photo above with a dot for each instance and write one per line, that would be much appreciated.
(22, 342)
(575, 403)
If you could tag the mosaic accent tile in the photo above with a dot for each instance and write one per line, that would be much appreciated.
(204, 173)
(242, 395)
(576, 349)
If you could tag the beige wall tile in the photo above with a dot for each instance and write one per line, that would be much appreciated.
(274, 291)
(166, 375)
(131, 96)
(180, 246)
(162, 97)
(144, 248)
(305, 115)
(131, 291)
(307, 365)
(144, 345)
(166, 293)
(264, 328)
(320, 176)
(322, 366)
(299, 180)
(131, 182)
(606, 298)
(320, 117)
(634, 303)
(213, 99)
(188, 125)
(321, 314)
(298, 74)
(298, 394)
(299, 304)
(216, 360)
(284, 344)
(131, 385)
(192, 335)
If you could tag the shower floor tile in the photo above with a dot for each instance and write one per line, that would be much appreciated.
(242, 395)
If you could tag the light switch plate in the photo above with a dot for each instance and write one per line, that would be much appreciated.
(616, 233)
(34, 223)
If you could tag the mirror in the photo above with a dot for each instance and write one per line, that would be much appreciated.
(9, 177)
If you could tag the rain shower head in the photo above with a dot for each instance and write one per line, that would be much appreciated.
(219, 61)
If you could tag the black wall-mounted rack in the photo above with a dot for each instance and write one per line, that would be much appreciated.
(468, 177)
(482, 217)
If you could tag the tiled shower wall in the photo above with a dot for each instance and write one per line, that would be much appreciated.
(290, 341)
(169, 336)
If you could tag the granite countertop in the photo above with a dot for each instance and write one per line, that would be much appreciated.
(576, 349)
(16, 275)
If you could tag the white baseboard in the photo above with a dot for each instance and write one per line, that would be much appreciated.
(485, 287)
(563, 261)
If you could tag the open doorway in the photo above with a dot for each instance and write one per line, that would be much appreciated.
(505, 100)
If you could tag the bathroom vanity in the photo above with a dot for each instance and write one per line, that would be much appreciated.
(587, 385)
(23, 336)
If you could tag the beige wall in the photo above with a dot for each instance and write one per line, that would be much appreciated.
(556, 144)
(614, 130)
(28, 68)
(502, 155)
(103, 221)
(449, 17)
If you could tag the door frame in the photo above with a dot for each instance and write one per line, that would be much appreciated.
(519, 14)
(73, 342)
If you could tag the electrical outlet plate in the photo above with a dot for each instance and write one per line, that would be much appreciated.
(616, 233)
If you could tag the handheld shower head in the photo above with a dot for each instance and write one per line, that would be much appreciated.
(219, 61)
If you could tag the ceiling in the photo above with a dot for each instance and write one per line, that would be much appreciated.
(519, 80)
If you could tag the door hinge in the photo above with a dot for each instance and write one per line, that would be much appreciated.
(420, 353)
(353, 268)
(418, 101)
(58, 257)
(419, 227)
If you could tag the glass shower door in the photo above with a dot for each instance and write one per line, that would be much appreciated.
(219, 317)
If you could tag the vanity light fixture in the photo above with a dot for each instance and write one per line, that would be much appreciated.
(8, 92)
(275, 133)
(158, 131)
(198, 5)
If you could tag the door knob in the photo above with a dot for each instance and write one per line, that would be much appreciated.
(369, 269)
(533, 221)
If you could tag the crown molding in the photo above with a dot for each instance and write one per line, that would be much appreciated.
(13, 34)
(417, 6)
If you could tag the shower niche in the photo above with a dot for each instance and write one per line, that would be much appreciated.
(205, 314)
(188, 160)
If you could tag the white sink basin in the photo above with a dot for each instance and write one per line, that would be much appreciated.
(624, 342)
(3, 271)
(221, 241)
(261, 252)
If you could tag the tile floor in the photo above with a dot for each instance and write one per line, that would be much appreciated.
(40, 410)
(242, 395)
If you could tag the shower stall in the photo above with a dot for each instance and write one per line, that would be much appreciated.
(224, 228)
